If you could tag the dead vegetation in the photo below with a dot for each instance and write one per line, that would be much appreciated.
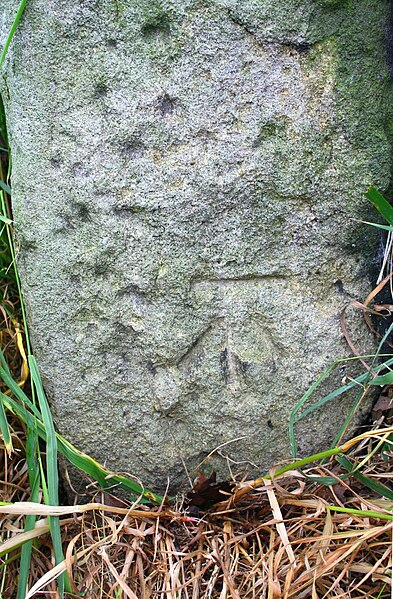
(279, 540)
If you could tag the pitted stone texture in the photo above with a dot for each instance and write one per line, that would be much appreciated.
(185, 179)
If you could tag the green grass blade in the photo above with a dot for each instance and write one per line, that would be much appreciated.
(381, 204)
(32, 453)
(6, 376)
(51, 441)
(384, 379)
(384, 227)
(327, 481)
(366, 513)
(348, 419)
(51, 469)
(365, 480)
(293, 418)
(17, 391)
(298, 464)
(5, 429)
(103, 476)
(25, 559)
(18, 17)
(5, 219)
(7, 189)
(381, 592)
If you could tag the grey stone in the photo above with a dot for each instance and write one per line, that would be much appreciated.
(186, 179)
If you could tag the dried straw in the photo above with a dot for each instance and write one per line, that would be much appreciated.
(278, 540)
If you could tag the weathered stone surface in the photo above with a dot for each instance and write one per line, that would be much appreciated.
(185, 177)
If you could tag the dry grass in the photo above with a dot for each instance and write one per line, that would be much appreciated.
(280, 540)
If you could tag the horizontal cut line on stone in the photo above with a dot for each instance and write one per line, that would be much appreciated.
(225, 282)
